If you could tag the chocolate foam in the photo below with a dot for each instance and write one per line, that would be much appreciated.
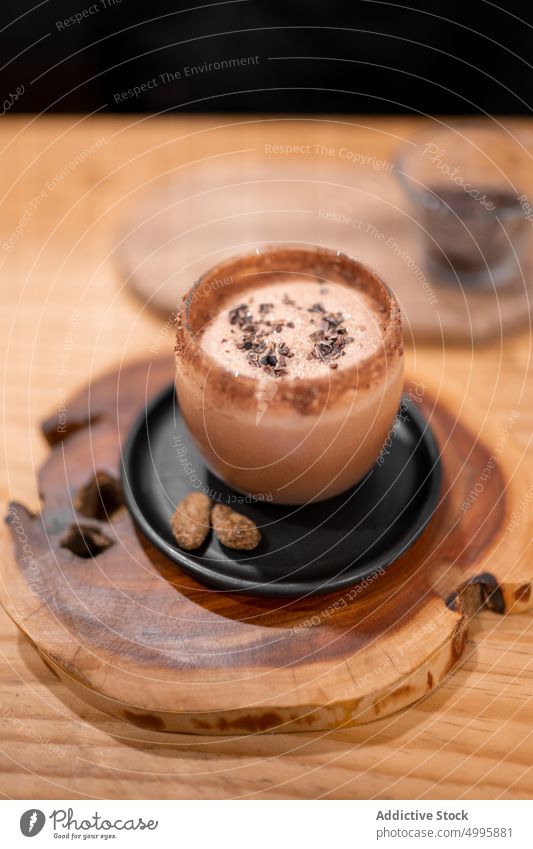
(232, 277)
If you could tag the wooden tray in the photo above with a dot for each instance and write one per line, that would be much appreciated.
(143, 641)
(184, 225)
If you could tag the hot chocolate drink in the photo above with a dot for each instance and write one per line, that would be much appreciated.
(289, 374)
(295, 329)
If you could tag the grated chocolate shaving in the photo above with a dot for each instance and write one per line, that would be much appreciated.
(329, 340)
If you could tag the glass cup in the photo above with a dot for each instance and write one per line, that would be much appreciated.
(290, 440)
(469, 198)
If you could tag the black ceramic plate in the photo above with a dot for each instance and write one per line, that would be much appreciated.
(305, 550)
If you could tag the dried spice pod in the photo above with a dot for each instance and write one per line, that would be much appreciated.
(191, 520)
(233, 529)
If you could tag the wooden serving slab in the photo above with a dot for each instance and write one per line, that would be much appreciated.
(184, 225)
(141, 640)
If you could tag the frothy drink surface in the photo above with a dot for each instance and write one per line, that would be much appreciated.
(294, 329)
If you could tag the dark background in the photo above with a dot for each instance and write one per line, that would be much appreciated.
(361, 56)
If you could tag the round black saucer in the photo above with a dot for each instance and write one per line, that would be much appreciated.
(305, 550)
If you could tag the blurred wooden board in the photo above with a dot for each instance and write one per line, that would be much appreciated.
(183, 225)
(130, 633)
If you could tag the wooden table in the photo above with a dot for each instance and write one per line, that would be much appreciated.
(65, 184)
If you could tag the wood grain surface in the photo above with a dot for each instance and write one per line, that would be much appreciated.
(134, 635)
(214, 210)
(66, 319)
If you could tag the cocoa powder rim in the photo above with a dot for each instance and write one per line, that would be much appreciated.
(241, 272)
